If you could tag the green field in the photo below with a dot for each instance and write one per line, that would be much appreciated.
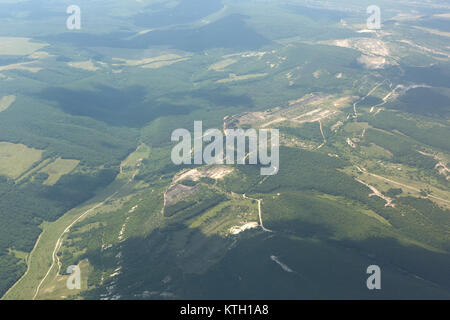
(57, 169)
(16, 158)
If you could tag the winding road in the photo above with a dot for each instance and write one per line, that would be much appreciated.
(55, 258)
(259, 213)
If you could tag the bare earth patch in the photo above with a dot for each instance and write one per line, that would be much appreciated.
(177, 192)
(309, 108)
(57, 169)
(375, 52)
(214, 172)
(85, 65)
(238, 229)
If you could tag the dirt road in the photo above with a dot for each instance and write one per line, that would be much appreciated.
(401, 185)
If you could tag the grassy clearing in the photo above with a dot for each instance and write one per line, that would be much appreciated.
(58, 289)
(26, 66)
(388, 178)
(375, 151)
(221, 218)
(32, 171)
(134, 159)
(18, 46)
(221, 65)
(160, 64)
(6, 102)
(135, 63)
(151, 63)
(85, 65)
(19, 254)
(356, 128)
(58, 168)
(233, 77)
(17, 158)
